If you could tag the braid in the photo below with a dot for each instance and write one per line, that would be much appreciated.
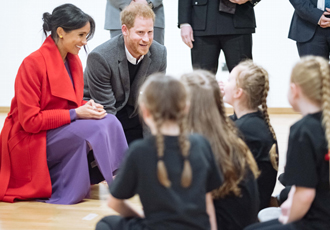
(186, 176)
(272, 153)
(161, 168)
(325, 77)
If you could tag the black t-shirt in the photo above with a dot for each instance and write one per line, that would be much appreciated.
(175, 207)
(306, 167)
(236, 212)
(257, 136)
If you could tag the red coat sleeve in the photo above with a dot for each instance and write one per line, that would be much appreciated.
(28, 87)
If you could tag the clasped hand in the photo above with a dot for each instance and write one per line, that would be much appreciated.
(325, 21)
(91, 110)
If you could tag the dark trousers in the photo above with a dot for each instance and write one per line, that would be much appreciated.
(206, 50)
(134, 133)
(319, 45)
(271, 225)
(120, 223)
(266, 183)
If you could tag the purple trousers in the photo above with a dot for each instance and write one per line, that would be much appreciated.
(67, 149)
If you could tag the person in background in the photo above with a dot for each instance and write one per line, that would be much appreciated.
(310, 27)
(112, 18)
(54, 145)
(172, 172)
(207, 27)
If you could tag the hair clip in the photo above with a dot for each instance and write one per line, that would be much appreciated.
(327, 156)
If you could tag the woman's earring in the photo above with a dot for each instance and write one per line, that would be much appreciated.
(61, 36)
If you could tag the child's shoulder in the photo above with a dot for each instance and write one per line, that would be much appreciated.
(144, 145)
(309, 123)
(198, 139)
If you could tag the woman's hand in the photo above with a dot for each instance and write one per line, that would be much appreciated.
(91, 110)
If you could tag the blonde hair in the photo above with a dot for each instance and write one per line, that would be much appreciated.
(254, 81)
(133, 10)
(312, 74)
(166, 99)
(207, 116)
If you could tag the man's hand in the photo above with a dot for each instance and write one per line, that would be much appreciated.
(239, 2)
(141, 1)
(324, 21)
(187, 35)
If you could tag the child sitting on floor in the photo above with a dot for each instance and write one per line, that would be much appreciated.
(173, 173)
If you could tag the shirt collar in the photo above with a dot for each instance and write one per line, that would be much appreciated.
(132, 59)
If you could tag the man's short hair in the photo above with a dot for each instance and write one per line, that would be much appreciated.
(130, 12)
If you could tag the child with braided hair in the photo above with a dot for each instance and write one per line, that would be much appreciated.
(236, 201)
(246, 90)
(172, 172)
(307, 165)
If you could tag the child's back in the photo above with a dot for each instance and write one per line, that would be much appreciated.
(307, 167)
(255, 133)
(174, 207)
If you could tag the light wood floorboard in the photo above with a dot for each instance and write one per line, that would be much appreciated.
(35, 215)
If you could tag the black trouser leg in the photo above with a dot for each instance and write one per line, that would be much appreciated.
(205, 53)
(318, 45)
(236, 48)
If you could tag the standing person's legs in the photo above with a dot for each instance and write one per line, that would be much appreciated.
(236, 48)
(205, 53)
(159, 35)
(114, 33)
(318, 45)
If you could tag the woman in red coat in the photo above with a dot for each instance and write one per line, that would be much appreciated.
(53, 145)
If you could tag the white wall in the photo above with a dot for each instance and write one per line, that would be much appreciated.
(21, 34)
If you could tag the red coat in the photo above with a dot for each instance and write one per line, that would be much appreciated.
(43, 96)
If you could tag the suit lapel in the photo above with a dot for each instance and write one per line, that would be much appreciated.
(123, 67)
(77, 76)
(59, 80)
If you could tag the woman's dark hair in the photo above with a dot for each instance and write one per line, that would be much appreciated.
(69, 17)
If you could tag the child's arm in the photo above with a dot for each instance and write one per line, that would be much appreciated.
(124, 208)
(211, 211)
(297, 205)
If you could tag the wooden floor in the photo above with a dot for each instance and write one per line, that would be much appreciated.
(35, 215)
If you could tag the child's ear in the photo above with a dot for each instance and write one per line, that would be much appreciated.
(145, 111)
(186, 109)
(295, 90)
(238, 93)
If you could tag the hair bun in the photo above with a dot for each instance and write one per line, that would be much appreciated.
(46, 17)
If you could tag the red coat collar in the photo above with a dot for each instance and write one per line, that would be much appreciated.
(59, 80)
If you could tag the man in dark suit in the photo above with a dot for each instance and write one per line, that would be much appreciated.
(117, 68)
(310, 27)
(209, 26)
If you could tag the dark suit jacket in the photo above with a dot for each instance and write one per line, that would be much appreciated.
(305, 20)
(106, 77)
(205, 18)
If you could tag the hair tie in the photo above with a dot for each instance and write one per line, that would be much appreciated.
(327, 156)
